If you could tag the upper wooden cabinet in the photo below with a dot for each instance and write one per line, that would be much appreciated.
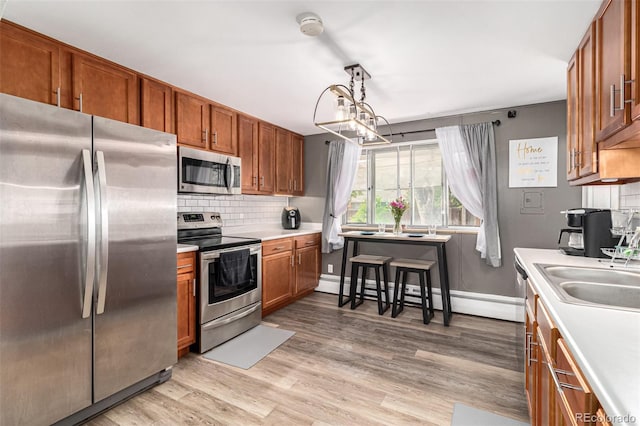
(223, 130)
(289, 163)
(155, 105)
(248, 152)
(266, 157)
(582, 151)
(29, 65)
(192, 120)
(612, 66)
(297, 148)
(284, 161)
(104, 89)
(635, 60)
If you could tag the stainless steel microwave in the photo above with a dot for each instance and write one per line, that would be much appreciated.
(205, 172)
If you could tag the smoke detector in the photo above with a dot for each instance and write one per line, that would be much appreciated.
(310, 24)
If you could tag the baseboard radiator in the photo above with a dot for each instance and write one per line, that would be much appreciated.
(463, 302)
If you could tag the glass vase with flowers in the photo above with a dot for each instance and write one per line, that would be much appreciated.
(398, 207)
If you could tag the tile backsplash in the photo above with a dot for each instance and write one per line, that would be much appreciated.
(236, 210)
(630, 196)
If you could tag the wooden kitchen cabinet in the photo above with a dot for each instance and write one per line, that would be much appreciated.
(573, 395)
(248, 152)
(104, 89)
(297, 148)
(192, 120)
(278, 269)
(635, 62)
(29, 65)
(290, 270)
(284, 162)
(308, 263)
(223, 135)
(613, 33)
(573, 121)
(557, 392)
(266, 157)
(289, 163)
(155, 105)
(186, 302)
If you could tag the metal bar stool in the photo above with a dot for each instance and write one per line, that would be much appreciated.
(365, 262)
(423, 269)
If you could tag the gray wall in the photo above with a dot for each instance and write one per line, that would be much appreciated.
(467, 271)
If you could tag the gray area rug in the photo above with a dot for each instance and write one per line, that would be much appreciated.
(463, 415)
(250, 347)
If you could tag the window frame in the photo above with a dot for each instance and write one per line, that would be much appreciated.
(371, 188)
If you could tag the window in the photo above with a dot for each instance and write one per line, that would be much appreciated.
(413, 170)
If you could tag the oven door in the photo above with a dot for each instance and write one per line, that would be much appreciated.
(208, 172)
(218, 298)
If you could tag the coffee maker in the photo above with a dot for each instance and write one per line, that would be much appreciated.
(595, 227)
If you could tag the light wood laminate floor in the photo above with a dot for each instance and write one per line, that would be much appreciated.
(346, 367)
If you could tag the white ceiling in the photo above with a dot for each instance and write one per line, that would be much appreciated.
(427, 58)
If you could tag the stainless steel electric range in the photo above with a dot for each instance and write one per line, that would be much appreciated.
(229, 276)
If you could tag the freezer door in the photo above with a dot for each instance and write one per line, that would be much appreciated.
(45, 343)
(135, 317)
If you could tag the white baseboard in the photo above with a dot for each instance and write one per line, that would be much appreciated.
(464, 302)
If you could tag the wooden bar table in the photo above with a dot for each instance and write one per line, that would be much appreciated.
(437, 241)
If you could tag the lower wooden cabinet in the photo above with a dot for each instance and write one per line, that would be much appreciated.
(557, 392)
(290, 270)
(186, 295)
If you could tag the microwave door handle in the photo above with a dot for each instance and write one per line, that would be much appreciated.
(104, 232)
(91, 234)
(228, 176)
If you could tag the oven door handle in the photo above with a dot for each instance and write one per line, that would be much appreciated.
(216, 324)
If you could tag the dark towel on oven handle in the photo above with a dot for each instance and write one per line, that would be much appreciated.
(235, 268)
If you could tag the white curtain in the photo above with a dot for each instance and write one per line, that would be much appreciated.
(462, 177)
(342, 166)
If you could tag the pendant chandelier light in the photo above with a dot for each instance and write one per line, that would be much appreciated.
(354, 119)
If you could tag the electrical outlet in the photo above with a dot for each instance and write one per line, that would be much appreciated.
(330, 268)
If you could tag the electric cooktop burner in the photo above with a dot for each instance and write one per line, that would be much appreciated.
(204, 229)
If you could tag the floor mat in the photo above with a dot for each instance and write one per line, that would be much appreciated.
(250, 347)
(463, 415)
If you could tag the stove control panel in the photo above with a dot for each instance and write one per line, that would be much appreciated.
(194, 220)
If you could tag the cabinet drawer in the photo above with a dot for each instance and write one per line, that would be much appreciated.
(547, 328)
(186, 262)
(307, 240)
(277, 246)
(572, 388)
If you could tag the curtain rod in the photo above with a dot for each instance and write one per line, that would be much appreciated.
(411, 132)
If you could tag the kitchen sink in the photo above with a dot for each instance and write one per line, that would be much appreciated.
(595, 287)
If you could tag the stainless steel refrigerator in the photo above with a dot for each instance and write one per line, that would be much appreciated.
(87, 262)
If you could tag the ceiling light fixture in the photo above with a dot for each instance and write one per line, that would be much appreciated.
(354, 120)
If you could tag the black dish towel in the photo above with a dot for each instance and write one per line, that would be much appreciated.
(235, 268)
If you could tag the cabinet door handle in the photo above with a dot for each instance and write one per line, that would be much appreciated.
(530, 344)
(185, 266)
(58, 97)
(572, 160)
(299, 258)
(295, 184)
(292, 261)
(578, 159)
(194, 287)
(623, 99)
(560, 385)
(206, 136)
(215, 137)
(278, 248)
(290, 185)
(255, 180)
(262, 181)
(79, 102)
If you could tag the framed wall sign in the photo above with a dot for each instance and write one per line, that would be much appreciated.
(533, 162)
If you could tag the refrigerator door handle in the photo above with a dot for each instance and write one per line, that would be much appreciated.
(89, 275)
(104, 232)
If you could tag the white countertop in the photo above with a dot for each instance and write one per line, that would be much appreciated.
(604, 342)
(183, 248)
(271, 231)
